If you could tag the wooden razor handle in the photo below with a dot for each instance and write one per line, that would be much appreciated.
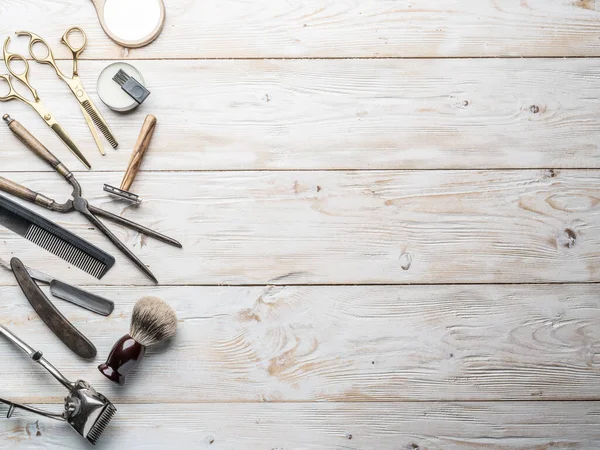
(142, 144)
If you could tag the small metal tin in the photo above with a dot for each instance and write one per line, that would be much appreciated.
(111, 93)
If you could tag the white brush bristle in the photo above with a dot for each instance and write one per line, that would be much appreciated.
(152, 321)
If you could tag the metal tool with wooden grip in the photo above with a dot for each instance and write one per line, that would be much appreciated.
(141, 145)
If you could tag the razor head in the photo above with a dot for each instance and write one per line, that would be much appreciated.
(123, 194)
(87, 411)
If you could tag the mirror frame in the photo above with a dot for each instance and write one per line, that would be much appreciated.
(99, 4)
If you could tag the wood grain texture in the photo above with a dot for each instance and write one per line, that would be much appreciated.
(139, 149)
(342, 114)
(383, 227)
(334, 28)
(350, 426)
(361, 343)
(273, 118)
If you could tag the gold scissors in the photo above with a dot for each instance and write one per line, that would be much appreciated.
(36, 103)
(90, 112)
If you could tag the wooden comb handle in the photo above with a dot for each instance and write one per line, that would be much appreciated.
(142, 144)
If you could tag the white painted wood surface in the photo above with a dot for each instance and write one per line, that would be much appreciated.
(337, 114)
(372, 227)
(389, 242)
(336, 28)
(337, 343)
(350, 426)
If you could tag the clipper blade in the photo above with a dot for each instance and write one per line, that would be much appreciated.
(123, 194)
(102, 422)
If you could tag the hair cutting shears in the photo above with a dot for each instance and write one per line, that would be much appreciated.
(90, 112)
(36, 103)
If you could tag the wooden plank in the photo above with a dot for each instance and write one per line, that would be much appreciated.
(382, 227)
(361, 343)
(385, 426)
(335, 28)
(343, 114)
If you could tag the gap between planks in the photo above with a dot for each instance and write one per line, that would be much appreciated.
(473, 169)
(333, 58)
(266, 285)
(328, 402)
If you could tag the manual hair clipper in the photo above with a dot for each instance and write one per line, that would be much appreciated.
(87, 411)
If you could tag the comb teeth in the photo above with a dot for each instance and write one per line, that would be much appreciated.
(54, 238)
(65, 251)
(100, 124)
(102, 422)
(121, 77)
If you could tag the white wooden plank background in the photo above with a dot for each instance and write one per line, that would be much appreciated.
(410, 426)
(390, 236)
(346, 227)
(333, 114)
(336, 28)
(337, 343)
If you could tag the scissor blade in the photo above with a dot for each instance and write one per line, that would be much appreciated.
(90, 125)
(115, 240)
(62, 134)
(91, 109)
(135, 226)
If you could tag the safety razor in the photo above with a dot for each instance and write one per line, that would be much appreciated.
(87, 411)
(135, 162)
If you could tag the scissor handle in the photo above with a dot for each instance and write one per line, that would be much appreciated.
(75, 49)
(35, 39)
(12, 94)
(23, 77)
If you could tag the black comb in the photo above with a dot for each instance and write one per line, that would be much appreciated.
(54, 238)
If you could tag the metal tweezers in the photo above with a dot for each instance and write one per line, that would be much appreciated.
(78, 202)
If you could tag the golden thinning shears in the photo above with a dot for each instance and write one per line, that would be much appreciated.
(90, 112)
(36, 103)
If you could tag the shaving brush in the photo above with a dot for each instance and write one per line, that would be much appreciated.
(152, 321)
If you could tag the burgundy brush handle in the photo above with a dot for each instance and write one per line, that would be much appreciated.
(125, 356)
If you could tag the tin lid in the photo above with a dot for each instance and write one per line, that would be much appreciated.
(111, 93)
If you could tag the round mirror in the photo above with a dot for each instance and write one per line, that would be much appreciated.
(131, 23)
